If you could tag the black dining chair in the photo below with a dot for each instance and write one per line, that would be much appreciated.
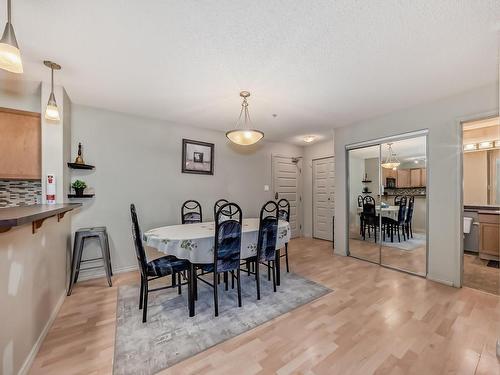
(284, 214)
(155, 269)
(398, 224)
(227, 249)
(370, 218)
(409, 217)
(361, 200)
(218, 204)
(266, 243)
(191, 212)
(397, 198)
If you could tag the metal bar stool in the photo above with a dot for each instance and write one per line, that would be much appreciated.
(80, 236)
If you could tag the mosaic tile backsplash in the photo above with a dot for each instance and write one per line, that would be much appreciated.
(15, 193)
(419, 191)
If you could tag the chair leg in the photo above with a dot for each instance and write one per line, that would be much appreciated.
(257, 278)
(286, 258)
(73, 265)
(179, 283)
(268, 272)
(248, 267)
(141, 293)
(238, 285)
(79, 259)
(174, 279)
(397, 230)
(273, 270)
(145, 306)
(232, 279)
(411, 230)
(226, 281)
(105, 257)
(216, 299)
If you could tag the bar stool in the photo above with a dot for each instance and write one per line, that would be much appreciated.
(80, 236)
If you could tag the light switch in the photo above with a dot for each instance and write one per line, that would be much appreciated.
(266, 187)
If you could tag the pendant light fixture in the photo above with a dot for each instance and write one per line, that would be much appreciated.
(10, 57)
(391, 162)
(51, 112)
(245, 135)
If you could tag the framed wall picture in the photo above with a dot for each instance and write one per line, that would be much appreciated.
(197, 157)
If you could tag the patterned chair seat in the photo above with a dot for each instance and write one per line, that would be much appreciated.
(166, 266)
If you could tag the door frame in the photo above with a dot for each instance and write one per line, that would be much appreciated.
(312, 193)
(460, 133)
(299, 187)
(379, 142)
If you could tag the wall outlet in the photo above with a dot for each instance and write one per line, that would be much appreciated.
(266, 187)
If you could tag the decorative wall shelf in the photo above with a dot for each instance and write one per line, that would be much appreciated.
(74, 196)
(80, 166)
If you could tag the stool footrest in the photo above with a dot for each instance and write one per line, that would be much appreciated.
(91, 260)
(89, 268)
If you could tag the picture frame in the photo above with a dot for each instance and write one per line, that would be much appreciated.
(197, 157)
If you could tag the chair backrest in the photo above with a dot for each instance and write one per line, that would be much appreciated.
(191, 212)
(409, 209)
(360, 200)
(369, 206)
(268, 231)
(139, 248)
(284, 209)
(402, 210)
(218, 204)
(227, 249)
(397, 198)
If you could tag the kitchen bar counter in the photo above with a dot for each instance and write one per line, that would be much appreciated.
(35, 214)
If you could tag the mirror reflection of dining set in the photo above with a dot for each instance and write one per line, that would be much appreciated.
(393, 219)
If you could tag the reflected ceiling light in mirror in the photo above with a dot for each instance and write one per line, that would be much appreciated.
(309, 138)
(391, 161)
(486, 144)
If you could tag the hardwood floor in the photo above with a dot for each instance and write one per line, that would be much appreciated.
(478, 275)
(376, 321)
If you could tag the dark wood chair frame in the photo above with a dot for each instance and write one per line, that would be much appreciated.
(284, 206)
(188, 207)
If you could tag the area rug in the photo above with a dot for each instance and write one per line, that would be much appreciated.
(170, 336)
(418, 241)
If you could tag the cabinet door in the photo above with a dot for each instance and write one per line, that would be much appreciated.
(423, 177)
(415, 177)
(20, 145)
(403, 178)
(489, 242)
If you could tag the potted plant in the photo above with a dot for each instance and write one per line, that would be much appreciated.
(79, 187)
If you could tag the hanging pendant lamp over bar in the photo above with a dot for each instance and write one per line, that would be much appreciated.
(391, 162)
(52, 112)
(244, 136)
(10, 56)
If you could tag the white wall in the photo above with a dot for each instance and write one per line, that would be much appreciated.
(138, 160)
(20, 95)
(314, 151)
(443, 187)
(33, 286)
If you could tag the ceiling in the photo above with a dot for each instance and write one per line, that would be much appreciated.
(316, 65)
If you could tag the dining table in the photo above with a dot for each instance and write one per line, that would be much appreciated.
(389, 211)
(195, 243)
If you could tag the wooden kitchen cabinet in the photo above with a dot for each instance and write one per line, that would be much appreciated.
(415, 177)
(388, 173)
(20, 145)
(423, 177)
(489, 236)
(404, 178)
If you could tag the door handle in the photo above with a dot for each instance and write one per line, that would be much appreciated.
(276, 195)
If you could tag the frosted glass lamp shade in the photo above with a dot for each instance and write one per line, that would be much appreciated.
(52, 112)
(244, 137)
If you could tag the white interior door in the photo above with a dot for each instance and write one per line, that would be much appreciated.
(286, 184)
(323, 198)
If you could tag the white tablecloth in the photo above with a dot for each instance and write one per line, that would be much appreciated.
(195, 242)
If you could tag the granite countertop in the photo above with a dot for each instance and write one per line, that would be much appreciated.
(485, 207)
(16, 216)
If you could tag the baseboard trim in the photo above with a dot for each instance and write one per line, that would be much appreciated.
(34, 350)
(97, 273)
(437, 280)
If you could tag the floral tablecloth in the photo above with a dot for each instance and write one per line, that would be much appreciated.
(195, 242)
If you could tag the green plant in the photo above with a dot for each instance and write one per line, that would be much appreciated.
(78, 184)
